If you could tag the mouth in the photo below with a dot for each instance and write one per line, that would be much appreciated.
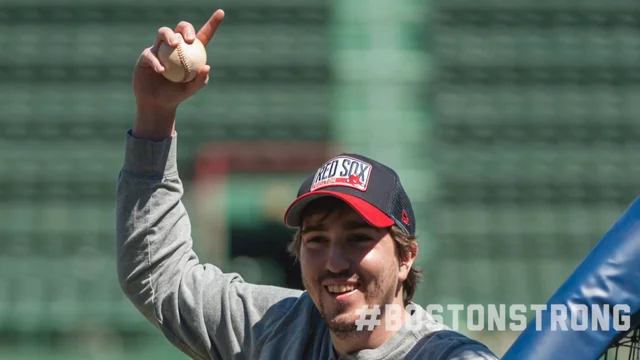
(341, 292)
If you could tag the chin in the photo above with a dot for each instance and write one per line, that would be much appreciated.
(341, 317)
(344, 323)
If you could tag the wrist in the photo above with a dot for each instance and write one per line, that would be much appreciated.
(154, 123)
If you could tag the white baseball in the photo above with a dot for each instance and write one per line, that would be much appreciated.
(181, 63)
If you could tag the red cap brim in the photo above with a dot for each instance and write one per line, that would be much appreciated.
(370, 213)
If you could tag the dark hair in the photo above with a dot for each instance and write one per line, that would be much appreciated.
(405, 244)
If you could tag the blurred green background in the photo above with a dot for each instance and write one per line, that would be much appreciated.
(513, 124)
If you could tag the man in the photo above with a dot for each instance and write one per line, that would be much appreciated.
(355, 243)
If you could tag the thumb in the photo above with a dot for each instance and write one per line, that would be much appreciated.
(200, 81)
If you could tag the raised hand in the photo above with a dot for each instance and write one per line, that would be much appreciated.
(157, 99)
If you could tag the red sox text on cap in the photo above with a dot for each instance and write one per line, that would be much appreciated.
(369, 187)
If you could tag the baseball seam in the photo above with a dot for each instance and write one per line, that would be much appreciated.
(183, 61)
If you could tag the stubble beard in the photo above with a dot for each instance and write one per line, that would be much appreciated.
(343, 323)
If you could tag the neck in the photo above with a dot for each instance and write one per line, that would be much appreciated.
(357, 340)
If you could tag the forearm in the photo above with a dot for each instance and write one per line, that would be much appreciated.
(154, 123)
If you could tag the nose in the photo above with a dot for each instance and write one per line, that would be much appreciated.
(337, 260)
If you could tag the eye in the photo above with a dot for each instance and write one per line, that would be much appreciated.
(315, 240)
(359, 238)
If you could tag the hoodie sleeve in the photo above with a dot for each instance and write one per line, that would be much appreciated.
(201, 310)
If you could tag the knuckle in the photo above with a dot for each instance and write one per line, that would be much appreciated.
(168, 36)
(143, 57)
(148, 55)
(184, 25)
(164, 32)
(186, 28)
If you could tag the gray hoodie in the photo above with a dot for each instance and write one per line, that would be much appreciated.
(208, 314)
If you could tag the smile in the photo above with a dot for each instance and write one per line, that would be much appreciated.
(340, 289)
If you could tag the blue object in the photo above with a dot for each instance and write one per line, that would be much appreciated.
(608, 276)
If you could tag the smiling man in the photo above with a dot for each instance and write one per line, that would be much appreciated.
(356, 246)
(355, 241)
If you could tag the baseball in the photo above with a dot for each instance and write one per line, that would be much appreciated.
(182, 62)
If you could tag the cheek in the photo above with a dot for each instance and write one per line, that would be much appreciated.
(375, 263)
(310, 266)
(380, 265)
(373, 257)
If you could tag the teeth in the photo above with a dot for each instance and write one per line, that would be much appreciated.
(340, 288)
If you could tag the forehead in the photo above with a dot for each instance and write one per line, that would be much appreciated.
(330, 211)
(331, 215)
(323, 205)
(345, 219)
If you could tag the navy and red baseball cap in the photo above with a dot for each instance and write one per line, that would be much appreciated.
(369, 187)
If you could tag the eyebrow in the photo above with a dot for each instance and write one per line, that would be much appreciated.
(350, 225)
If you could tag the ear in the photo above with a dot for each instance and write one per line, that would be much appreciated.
(407, 262)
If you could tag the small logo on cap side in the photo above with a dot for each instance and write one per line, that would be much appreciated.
(343, 171)
(405, 217)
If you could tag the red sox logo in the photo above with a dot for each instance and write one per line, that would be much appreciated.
(343, 171)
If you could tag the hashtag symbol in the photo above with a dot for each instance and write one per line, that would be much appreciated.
(368, 317)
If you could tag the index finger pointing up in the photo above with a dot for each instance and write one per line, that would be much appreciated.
(206, 32)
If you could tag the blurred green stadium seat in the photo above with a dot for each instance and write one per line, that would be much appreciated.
(535, 105)
(66, 100)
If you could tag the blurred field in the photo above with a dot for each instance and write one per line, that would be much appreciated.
(514, 125)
